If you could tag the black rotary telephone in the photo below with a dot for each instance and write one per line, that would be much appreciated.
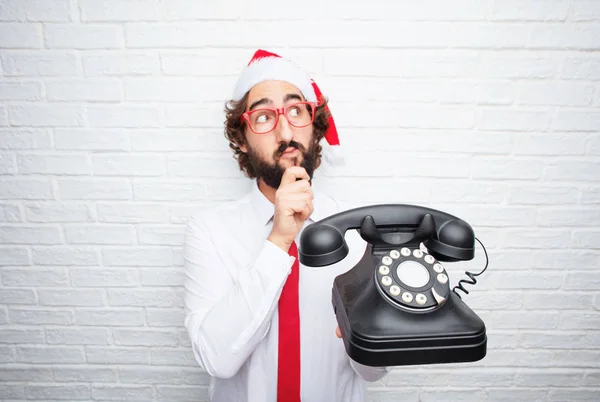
(395, 306)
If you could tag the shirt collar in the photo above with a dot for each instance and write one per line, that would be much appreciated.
(264, 208)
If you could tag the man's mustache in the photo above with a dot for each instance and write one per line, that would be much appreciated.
(291, 144)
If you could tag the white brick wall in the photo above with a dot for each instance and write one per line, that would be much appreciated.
(110, 137)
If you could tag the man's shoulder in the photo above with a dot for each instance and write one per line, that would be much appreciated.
(220, 212)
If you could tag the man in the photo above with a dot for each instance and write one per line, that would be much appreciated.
(261, 324)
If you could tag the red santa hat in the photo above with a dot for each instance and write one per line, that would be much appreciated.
(266, 66)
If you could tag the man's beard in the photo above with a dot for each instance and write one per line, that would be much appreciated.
(271, 173)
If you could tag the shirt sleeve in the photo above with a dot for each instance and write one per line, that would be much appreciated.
(368, 373)
(226, 319)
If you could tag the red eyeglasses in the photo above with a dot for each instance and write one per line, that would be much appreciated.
(264, 120)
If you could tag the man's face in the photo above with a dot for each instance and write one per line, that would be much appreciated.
(270, 154)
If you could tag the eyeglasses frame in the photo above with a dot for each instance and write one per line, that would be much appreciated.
(280, 111)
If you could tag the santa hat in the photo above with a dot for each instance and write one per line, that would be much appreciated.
(265, 66)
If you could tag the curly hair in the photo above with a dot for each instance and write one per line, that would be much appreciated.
(235, 129)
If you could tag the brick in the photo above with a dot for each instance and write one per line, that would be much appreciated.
(172, 357)
(177, 139)
(110, 11)
(39, 316)
(139, 256)
(563, 217)
(372, 190)
(50, 115)
(180, 214)
(109, 317)
(123, 392)
(511, 259)
(7, 354)
(556, 301)
(18, 373)
(35, 277)
(565, 259)
(518, 358)
(466, 395)
(573, 171)
(571, 395)
(10, 213)
(58, 212)
(198, 166)
(586, 239)
(165, 298)
(581, 68)
(229, 189)
(542, 195)
(530, 10)
(121, 63)
(195, 377)
(19, 91)
(585, 10)
(83, 36)
(161, 235)
(576, 121)
(172, 190)
(513, 120)
(117, 355)
(20, 36)
(91, 90)
(14, 256)
(86, 373)
(35, 10)
(580, 321)
(519, 65)
(591, 379)
(580, 36)
(100, 234)
(44, 63)
(123, 116)
(12, 391)
(576, 358)
(20, 336)
(525, 320)
(7, 164)
(164, 317)
(27, 189)
(536, 239)
(162, 277)
(23, 138)
(176, 89)
(17, 296)
(201, 62)
(94, 189)
(129, 165)
(535, 340)
(131, 213)
(499, 301)
(206, 115)
(509, 36)
(515, 394)
(50, 355)
(181, 393)
(54, 164)
(593, 146)
(3, 317)
(504, 168)
(91, 139)
(562, 94)
(64, 297)
(30, 235)
(3, 116)
(64, 256)
(146, 337)
(77, 336)
(518, 280)
(62, 391)
(150, 375)
(104, 277)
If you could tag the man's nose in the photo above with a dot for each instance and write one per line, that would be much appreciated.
(284, 129)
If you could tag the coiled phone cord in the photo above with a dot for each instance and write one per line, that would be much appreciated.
(471, 280)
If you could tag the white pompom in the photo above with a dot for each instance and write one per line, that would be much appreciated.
(333, 155)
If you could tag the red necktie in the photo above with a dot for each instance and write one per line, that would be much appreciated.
(288, 368)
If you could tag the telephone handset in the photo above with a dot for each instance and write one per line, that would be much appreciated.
(395, 306)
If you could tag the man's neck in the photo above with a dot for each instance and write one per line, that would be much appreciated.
(268, 192)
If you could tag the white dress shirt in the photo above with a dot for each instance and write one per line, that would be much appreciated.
(234, 277)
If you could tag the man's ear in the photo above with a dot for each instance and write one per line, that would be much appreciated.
(243, 148)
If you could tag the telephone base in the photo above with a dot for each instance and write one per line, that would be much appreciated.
(378, 333)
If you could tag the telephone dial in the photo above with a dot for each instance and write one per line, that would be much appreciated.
(395, 306)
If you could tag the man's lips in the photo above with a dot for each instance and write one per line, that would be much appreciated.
(290, 150)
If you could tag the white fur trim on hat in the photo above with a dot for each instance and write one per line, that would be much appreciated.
(274, 68)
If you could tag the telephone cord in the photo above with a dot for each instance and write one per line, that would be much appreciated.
(471, 280)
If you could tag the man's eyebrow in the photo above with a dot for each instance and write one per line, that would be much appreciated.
(289, 97)
(260, 102)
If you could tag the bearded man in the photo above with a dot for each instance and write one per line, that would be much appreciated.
(261, 324)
